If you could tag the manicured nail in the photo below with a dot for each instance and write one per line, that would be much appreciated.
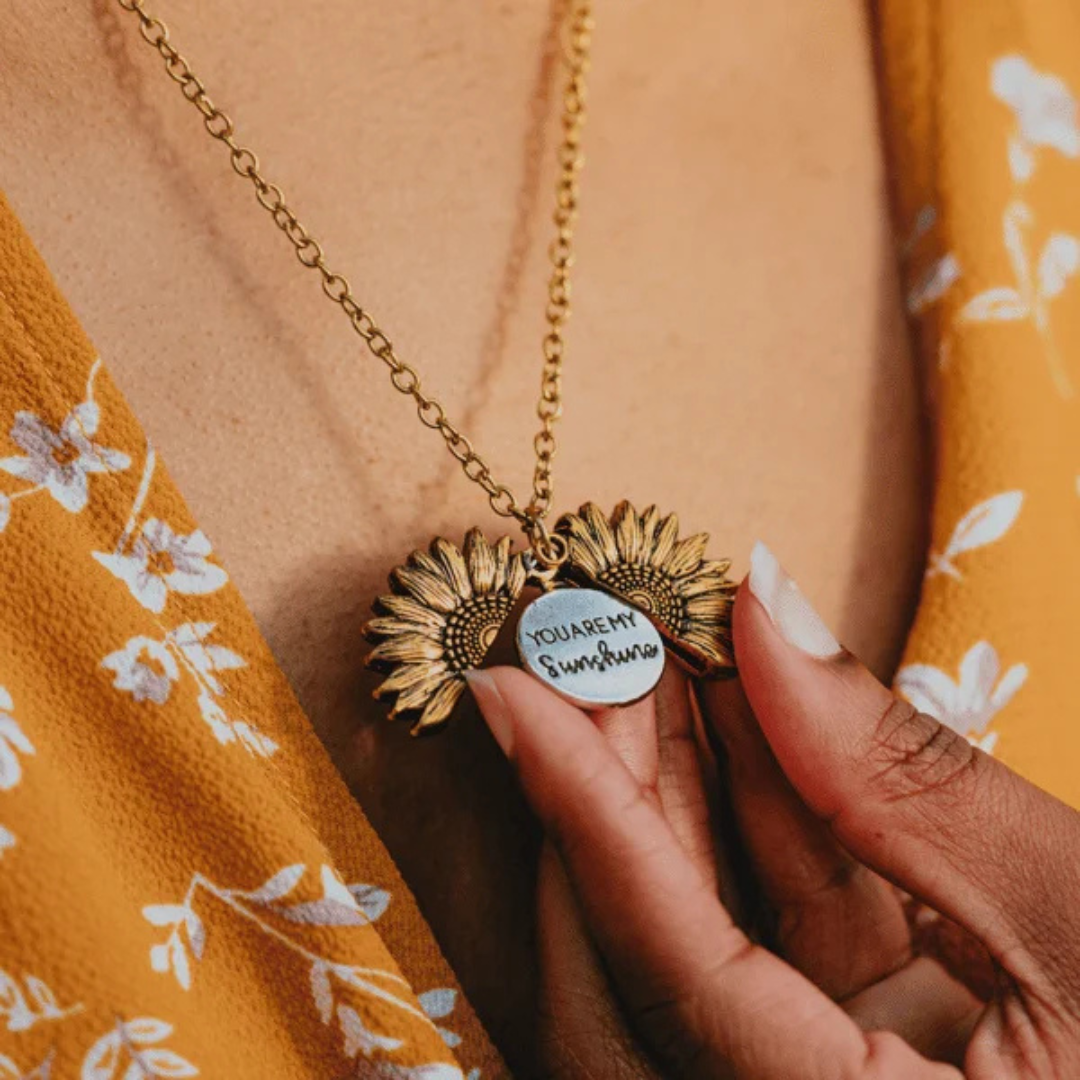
(492, 708)
(791, 613)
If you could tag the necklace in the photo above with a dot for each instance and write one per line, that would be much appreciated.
(617, 592)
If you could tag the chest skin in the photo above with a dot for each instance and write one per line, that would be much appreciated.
(736, 353)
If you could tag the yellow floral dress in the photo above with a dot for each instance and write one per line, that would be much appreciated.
(186, 886)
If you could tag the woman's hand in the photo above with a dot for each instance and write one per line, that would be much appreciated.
(836, 787)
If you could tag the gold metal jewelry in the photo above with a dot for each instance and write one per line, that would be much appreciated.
(447, 605)
(640, 558)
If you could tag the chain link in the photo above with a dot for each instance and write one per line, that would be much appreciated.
(336, 287)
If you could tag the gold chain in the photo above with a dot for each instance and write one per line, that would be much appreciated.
(336, 287)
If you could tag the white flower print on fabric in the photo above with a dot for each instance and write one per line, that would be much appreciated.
(145, 668)
(1045, 110)
(338, 989)
(153, 561)
(130, 1052)
(13, 742)
(60, 462)
(21, 1007)
(1030, 297)
(966, 706)
(984, 524)
(148, 667)
(162, 561)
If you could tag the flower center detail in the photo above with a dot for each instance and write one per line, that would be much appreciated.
(471, 630)
(649, 589)
(65, 454)
(160, 563)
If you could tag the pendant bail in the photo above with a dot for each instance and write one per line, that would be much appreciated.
(549, 549)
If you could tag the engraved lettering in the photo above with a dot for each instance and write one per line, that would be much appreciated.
(549, 665)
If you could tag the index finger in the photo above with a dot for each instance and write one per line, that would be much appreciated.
(708, 1001)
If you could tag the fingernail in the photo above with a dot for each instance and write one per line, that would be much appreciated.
(492, 708)
(791, 613)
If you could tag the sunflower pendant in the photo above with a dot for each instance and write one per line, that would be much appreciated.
(628, 590)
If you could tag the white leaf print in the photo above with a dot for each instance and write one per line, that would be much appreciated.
(5, 511)
(178, 957)
(196, 934)
(333, 887)
(358, 1039)
(983, 524)
(281, 884)
(221, 659)
(216, 719)
(7, 839)
(13, 1004)
(12, 743)
(102, 1058)
(253, 740)
(146, 1029)
(1001, 304)
(324, 913)
(1058, 262)
(8, 1068)
(438, 1003)
(320, 991)
(164, 914)
(162, 1062)
(43, 997)
(371, 900)
(159, 957)
(132, 1040)
(934, 283)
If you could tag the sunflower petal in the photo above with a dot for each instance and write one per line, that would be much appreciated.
(687, 555)
(516, 576)
(480, 560)
(584, 550)
(427, 673)
(627, 529)
(666, 536)
(438, 709)
(708, 605)
(408, 648)
(410, 610)
(453, 564)
(698, 584)
(650, 521)
(430, 589)
(416, 698)
(389, 627)
(601, 533)
(501, 555)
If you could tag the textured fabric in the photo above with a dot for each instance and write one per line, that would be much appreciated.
(981, 123)
(179, 861)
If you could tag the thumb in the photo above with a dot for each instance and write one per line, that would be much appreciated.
(904, 794)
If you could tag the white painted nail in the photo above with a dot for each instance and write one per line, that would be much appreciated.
(791, 613)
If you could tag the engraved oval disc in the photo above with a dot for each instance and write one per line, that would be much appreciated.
(590, 648)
